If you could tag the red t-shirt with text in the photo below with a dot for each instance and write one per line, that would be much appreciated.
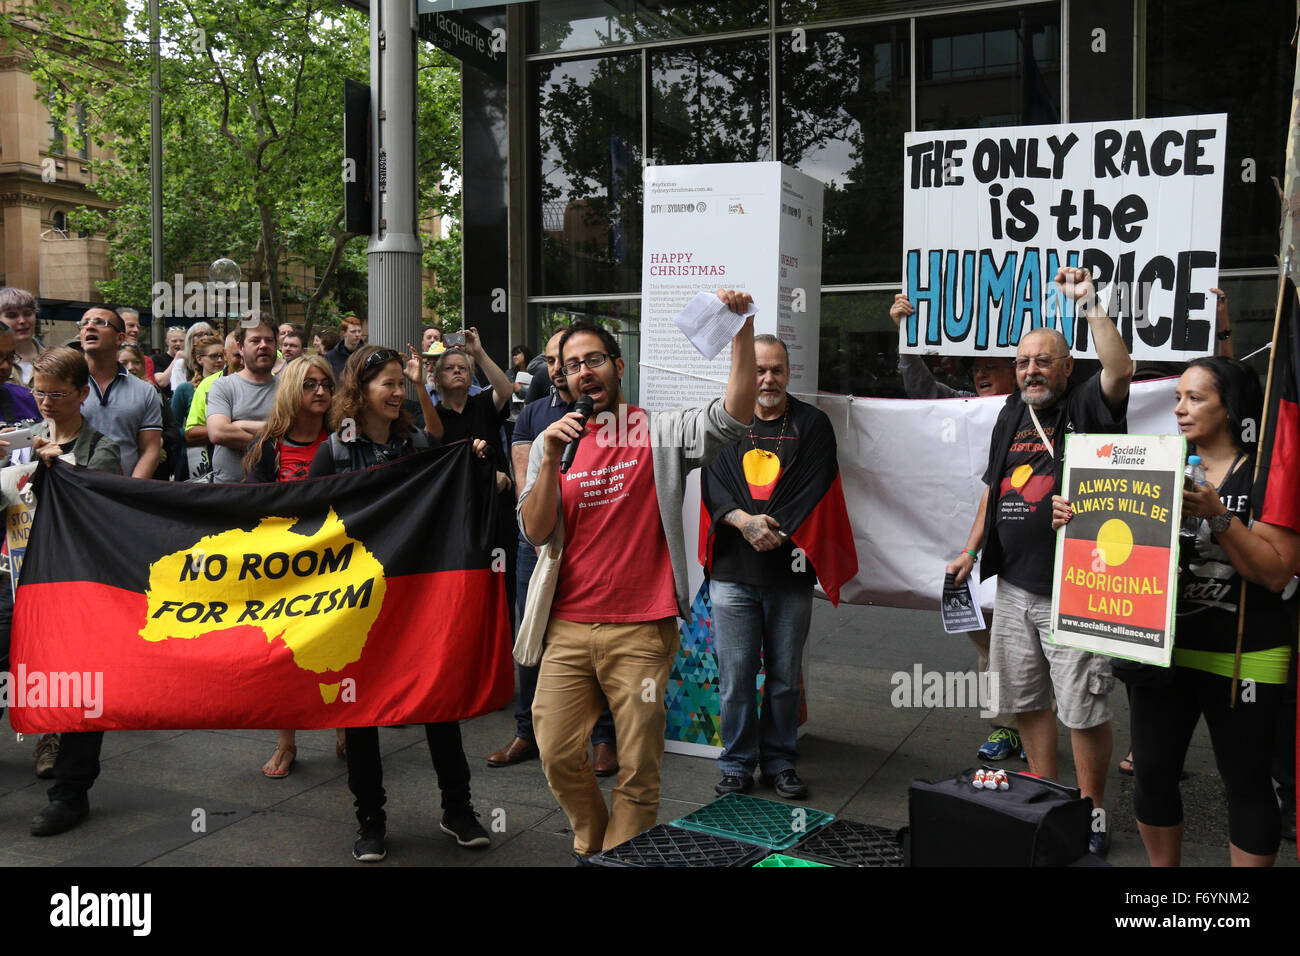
(295, 459)
(616, 567)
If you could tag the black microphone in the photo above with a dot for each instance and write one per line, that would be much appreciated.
(584, 407)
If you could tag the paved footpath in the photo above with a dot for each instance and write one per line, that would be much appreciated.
(198, 798)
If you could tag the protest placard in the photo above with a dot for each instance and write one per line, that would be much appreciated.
(990, 215)
(1117, 559)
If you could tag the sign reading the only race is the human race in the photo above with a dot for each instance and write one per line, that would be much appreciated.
(1117, 558)
(990, 215)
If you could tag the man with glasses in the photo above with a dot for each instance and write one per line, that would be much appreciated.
(612, 623)
(1014, 526)
(533, 420)
(122, 407)
(238, 404)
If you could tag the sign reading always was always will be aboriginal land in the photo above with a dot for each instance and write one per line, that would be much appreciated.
(990, 215)
(1116, 560)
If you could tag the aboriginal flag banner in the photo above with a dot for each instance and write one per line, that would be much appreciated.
(1279, 452)
(362, 599)
(798, 485)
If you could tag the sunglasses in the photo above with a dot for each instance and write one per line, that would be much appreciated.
(379, 359)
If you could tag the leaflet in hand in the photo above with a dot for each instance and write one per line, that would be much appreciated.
(709, 324)
(960, 606)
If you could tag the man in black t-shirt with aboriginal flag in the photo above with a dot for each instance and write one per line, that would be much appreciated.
(1014, 524)
(778, 524)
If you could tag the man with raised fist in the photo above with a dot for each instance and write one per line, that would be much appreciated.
(1014, 526)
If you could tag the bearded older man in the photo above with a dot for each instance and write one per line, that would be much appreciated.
(1025, 464)
(758, 493)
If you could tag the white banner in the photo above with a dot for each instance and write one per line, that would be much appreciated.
(912, 473)
(989, 215)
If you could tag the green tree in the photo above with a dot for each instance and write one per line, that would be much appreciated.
(252, 110)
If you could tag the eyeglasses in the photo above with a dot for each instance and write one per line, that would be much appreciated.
(593, 361)
(313, 384)
(176, 328)
(52, 396)
(215, 357)
(382, 357)
(1042, 361)
(99, 323)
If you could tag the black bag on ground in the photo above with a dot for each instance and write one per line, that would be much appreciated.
(1036, 822)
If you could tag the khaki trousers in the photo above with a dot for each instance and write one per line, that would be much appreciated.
(583, 666)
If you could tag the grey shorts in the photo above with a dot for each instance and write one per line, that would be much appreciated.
(1029, 667)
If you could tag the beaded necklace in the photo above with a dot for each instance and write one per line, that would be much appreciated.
(763, 453)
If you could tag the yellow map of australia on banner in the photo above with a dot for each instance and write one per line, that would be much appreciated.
(319, 593)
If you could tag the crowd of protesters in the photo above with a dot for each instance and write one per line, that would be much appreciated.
(260, 407)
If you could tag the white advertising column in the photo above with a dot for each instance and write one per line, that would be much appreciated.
(756, 227)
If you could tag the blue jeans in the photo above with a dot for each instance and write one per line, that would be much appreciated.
(749, 621)
(603, 733)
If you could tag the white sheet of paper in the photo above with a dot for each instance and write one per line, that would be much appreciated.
(709, 324)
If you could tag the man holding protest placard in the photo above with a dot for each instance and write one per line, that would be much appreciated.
(1025, 460)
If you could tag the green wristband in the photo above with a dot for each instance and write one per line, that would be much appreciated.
(973, 555)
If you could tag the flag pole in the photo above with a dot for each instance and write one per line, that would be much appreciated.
(1282, 292)
(1290, 197)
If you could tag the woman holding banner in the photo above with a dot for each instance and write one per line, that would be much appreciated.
(60, 383)
(372, 427)
(1219, 404)
(284, 452)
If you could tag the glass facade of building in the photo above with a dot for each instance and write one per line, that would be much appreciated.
(831, 87)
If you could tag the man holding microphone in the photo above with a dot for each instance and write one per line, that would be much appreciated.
(622, 581)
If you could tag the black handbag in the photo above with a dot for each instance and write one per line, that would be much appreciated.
(1037, 822)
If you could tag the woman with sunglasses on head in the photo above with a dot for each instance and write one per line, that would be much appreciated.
(372, 396)
(1219, 404)
(295, 429)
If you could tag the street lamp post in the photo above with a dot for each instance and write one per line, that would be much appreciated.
(394, 252)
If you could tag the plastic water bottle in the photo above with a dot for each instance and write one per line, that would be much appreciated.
(1194, 473)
